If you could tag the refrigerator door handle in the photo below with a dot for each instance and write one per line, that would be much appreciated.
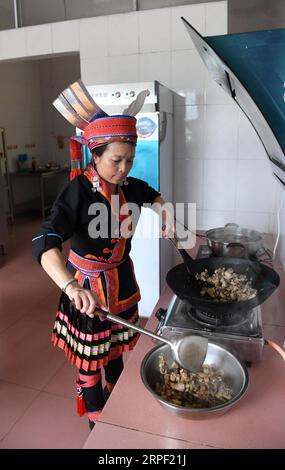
(162, 125)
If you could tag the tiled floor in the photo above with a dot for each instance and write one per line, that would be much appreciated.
(37, 384)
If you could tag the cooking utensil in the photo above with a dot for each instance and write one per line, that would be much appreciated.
(188, 351)
(182, 280)
(220, 239)
(235, 375)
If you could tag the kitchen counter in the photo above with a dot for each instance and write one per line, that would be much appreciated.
(132, 418)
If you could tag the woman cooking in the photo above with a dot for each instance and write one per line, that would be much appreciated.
(99, 273)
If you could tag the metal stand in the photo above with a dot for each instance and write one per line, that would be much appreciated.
(6, 206)
(5, 174)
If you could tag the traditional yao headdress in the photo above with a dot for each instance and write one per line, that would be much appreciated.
(78, 107)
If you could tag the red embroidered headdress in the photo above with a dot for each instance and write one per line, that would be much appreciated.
(78, 107)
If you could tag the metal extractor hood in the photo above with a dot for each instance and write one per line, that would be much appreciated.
(250, 67)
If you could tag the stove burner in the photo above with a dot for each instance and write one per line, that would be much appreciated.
(210, 320)
(242, 336)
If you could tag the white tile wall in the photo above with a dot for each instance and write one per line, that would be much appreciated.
(154, 30)
(188, 76)
(199, 219)
(155, 66)
(217, 219)
(124, 68)
(216, 18)
(279, 212)
(12, 44)
(123, 34)
(195, 15)
(94, 37)
(65, 36)
(220, 184)
(95, 71)
(253, 176)
(188, 182)
(249, 144)
(39, 40)
(221, 132)
(189, 132)
(281, 244)
(255, 220)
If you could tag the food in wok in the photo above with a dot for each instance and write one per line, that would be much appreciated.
(225, 285)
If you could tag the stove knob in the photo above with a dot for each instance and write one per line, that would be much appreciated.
(132, 94)
(160, 314)
(117, 94)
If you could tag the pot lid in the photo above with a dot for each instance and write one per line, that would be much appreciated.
(250, 67)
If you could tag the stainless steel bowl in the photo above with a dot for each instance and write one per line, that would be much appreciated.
(222, 240)
(236, 376)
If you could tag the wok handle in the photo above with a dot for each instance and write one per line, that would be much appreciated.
(242, 248)
(275, 346)
(186, 257)
(232, 224)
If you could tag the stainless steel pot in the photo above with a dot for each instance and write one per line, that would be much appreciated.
(224, 241)
(235, 375)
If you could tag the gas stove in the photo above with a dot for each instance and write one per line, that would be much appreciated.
(243, 338)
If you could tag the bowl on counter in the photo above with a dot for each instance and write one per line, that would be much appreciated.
(235, 376)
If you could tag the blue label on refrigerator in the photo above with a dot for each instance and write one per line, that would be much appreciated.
(146, 162)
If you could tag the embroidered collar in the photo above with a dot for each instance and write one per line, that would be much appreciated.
(106, 192)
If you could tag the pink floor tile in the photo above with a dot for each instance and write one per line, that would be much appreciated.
(63, 382)
(44, 310)
(105, 436)
(27, 355)
(14, 400)
(16, 300)
(50, 422)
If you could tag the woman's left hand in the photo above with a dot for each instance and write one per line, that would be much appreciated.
(168, 224)
(166, 213)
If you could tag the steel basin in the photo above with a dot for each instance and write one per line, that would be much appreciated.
(222, 240)
(235, 374)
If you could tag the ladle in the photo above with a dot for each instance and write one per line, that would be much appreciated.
(188, 351)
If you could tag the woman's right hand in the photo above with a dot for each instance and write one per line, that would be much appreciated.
(84, 300)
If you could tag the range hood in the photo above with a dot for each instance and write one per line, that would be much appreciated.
(250, 67)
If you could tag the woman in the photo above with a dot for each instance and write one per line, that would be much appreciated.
(99, 273)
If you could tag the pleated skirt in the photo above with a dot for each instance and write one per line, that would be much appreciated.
(90, 343)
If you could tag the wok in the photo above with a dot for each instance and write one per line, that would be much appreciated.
(182, 280)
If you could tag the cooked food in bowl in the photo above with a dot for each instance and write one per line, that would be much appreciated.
(204, 389)
(235, 378)
(224, 285)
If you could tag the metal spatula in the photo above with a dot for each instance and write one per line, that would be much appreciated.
(189, 351)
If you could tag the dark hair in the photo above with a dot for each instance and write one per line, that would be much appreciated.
(98, 151)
